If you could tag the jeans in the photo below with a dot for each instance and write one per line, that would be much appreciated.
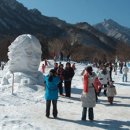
(124, 78)
(48, 105)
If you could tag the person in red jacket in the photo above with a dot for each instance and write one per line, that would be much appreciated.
(73, 66)
(88, 97)
(43, 68)
(97, 86)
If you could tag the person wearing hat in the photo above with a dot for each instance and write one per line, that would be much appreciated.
(88, 96)
(111, 91)
(51, 94)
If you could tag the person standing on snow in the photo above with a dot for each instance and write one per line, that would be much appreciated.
(46, 62)
(68, 57)
(97, 86)
(61, 56)
(115, 68)
(88, 96)
(111, 92)
(104, 78)
(111, 68)
(68, 75)
(55, 59)
(121, 66)
(56, 66)
(73, 66)
(125, 71)
(60, 72)
(51, 94)
(43, 68)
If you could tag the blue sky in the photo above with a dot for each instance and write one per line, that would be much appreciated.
(91, 11)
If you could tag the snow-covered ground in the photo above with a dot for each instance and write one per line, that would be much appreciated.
(25, 110)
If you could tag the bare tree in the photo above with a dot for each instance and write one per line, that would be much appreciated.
(123, 51)
(55, 46)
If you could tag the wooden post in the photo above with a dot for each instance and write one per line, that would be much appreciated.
(13, 84)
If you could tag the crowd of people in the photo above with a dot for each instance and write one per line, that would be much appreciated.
(93, 84)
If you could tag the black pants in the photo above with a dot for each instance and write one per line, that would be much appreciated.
(48, 105)
(60, 88)
(90, 113)
(110, 74)
(68, 88)
(105, 86)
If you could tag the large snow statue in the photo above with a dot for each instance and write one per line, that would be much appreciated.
(24, 59)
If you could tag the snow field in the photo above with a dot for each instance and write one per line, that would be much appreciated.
(25, 110)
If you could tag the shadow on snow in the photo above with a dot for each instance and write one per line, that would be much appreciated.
(105, 124)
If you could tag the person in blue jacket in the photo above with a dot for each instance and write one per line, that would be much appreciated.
(51, 94)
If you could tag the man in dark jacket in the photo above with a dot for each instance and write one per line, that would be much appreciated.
(68, 75)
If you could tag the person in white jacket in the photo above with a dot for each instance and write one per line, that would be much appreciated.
(125, 71)
(104, 78)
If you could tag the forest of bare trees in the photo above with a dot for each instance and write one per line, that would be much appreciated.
(78, 52)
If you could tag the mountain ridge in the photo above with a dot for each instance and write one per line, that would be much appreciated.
(115, 30)
(15, 19)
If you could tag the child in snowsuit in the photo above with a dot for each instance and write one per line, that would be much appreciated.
(111, 92)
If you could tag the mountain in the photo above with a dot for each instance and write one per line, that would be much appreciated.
(104, 41)
(115, 30)
(15, 19)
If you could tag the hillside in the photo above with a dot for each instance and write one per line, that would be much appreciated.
(114, 30)
(15, 19)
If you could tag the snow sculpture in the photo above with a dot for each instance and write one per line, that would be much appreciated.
(24, 59)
